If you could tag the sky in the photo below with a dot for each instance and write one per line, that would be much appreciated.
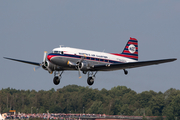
(28, 28)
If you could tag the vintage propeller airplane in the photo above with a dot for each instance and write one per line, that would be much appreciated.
(90, 62)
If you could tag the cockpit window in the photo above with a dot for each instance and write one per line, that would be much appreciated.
(58, 52)
(55, 51)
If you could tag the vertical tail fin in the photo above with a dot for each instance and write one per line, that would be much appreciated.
(131, 49)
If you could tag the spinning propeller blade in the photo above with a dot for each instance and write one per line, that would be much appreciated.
(44, 58)
(35, 68)
(79, 71)
(79, 63)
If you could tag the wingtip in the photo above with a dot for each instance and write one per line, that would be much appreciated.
(7, 58)
(174, 59)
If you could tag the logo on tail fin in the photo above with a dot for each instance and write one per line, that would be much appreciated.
(132, 48)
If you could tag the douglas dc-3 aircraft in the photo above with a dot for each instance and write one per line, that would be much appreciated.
(90, 62)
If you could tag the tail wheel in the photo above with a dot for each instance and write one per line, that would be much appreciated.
(125, 72)
(90, 80)
(56, 80)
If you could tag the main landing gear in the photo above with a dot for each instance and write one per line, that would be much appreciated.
(91, 77)
(57, 77)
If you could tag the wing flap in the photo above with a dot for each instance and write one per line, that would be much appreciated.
(118, 66)
(23, 61)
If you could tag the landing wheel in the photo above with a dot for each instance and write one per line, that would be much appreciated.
(56, 80)
(125, 72)
(90, 80)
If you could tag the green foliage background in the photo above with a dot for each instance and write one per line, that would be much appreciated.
(119, 100)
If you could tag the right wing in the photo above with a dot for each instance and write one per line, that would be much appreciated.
(118, 66)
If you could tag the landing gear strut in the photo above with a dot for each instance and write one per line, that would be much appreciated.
(91, 77)
(57, 77)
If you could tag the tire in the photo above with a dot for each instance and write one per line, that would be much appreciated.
(90, 81)
(56, 80)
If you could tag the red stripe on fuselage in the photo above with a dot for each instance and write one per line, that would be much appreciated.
(128, 56)
(49, 57)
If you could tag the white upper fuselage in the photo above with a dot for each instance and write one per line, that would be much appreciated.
(93, 54)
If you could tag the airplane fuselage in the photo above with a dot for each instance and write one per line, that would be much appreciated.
(60, 57)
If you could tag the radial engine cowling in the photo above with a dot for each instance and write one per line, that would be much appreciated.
(48, 66)
(83, 66)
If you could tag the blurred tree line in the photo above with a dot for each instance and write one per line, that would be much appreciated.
(119, 100)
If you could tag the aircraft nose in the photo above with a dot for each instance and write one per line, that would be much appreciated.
(49, 57)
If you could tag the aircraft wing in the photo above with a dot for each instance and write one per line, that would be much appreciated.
(118, 66)
(23, 61)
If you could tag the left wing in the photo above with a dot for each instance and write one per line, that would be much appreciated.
(118, 66)
(23, 61)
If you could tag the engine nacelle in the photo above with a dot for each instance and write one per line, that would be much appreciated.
(48, 66)
(83, 66)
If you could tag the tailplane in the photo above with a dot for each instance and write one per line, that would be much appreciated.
(131, 49)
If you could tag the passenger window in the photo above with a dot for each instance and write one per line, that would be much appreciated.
(97, 59)
(100, 59)
(62, 52)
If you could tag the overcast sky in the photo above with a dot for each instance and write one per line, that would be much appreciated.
(28, 28)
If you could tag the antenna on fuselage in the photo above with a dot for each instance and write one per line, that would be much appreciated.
(61, 46)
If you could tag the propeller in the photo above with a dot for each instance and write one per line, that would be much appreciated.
(79, 70)
(44, 59)
(44, 64)
(45, 54)
(79, 64)
(35, 68)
